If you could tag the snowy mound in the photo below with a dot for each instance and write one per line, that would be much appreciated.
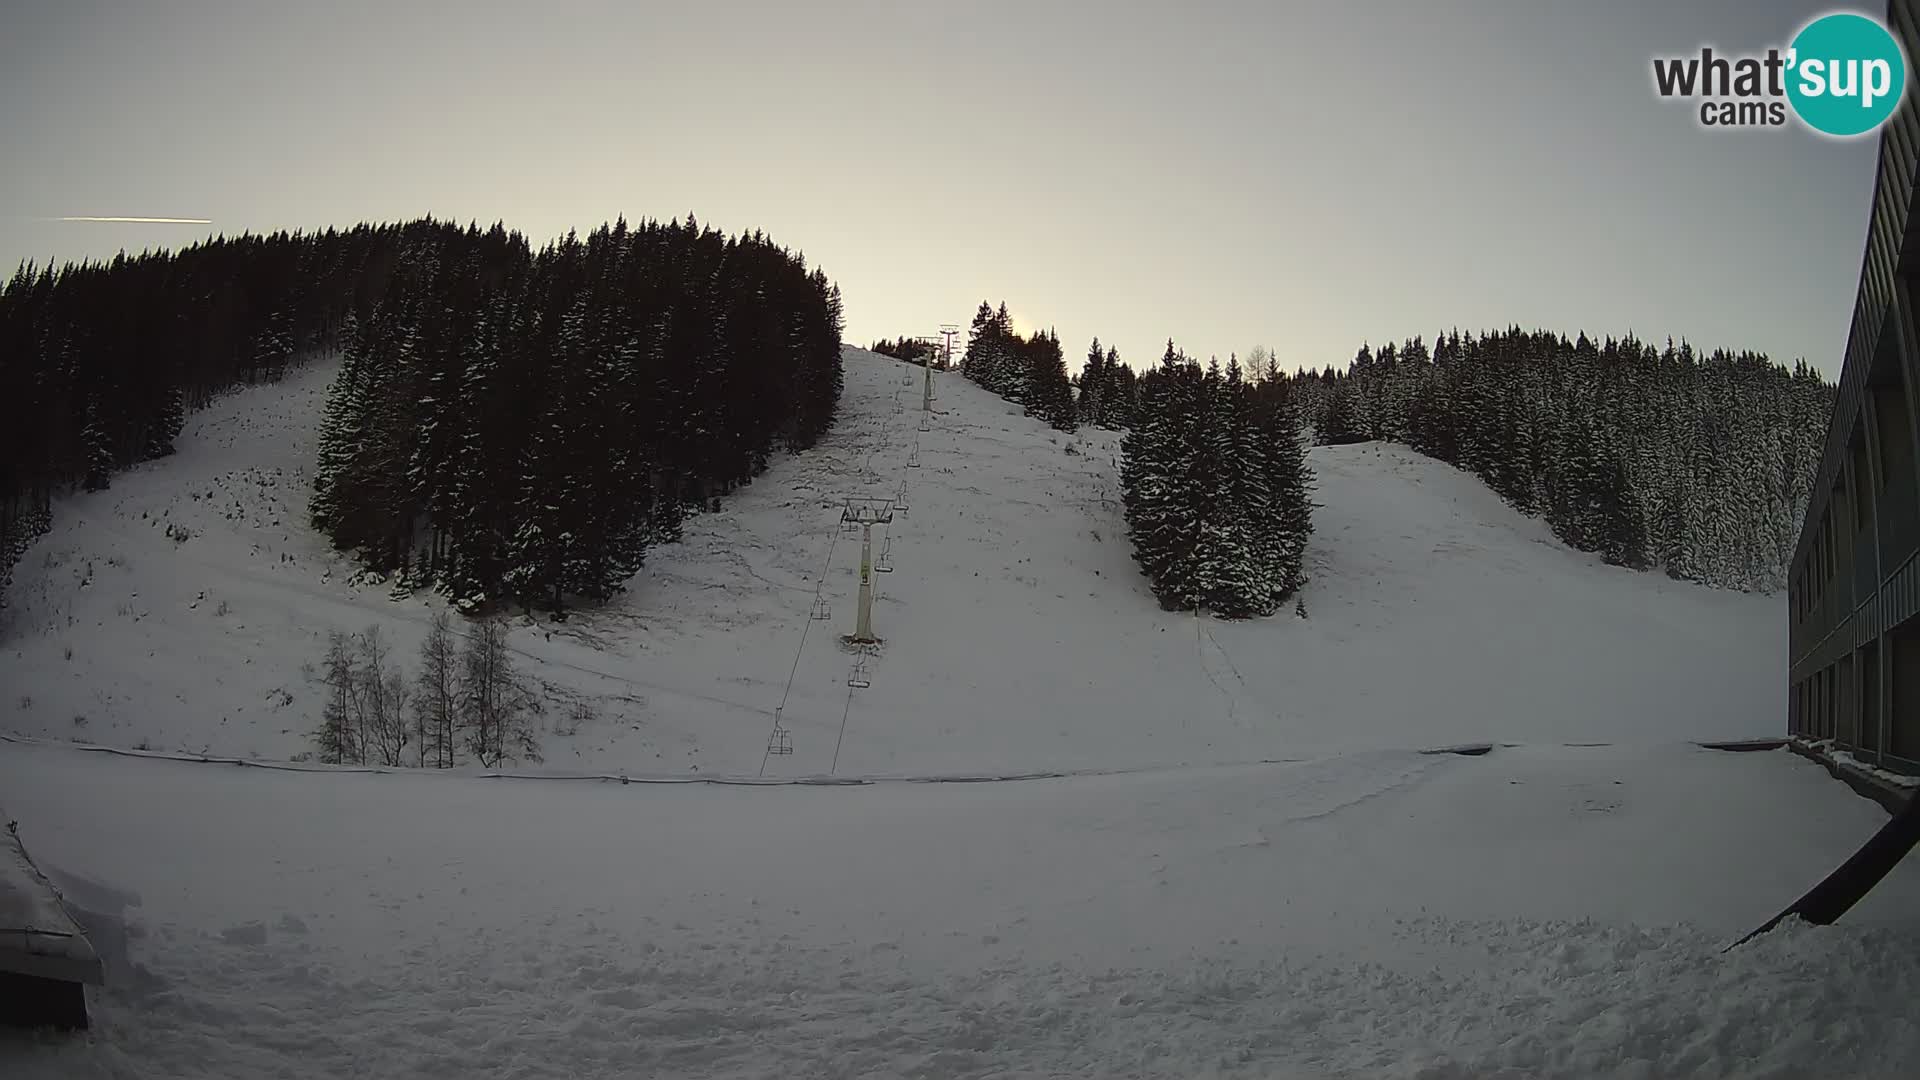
(178, 609)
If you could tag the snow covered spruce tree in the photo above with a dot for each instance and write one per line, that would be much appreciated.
(1028, 371)
(517, 427)
(1216, 488)
(989, 359)
(1049, 392)
(1105, 390)
(1649, 456)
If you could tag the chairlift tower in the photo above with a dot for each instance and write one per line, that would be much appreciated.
(948, 331)
(866, 513)
(926, 392)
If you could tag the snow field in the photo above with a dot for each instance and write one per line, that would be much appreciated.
(1542, 911)
(1259, 874)
(1018, 635)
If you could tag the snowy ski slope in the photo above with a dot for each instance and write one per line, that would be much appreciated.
(1261, 877)
(1018, 634)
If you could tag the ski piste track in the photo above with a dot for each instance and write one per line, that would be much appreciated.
(747, 780)
(1825, 903)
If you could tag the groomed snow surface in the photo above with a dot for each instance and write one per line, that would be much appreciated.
(1019, 635)
(1253, 873)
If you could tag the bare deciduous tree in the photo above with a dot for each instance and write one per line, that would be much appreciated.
(494, 706)
(1262, 364)
(364, 716)
(383, 695)
(436, 700)
(338, 737)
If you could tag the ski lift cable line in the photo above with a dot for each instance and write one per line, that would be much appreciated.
(887, 443)
(833, 538)
(844, 713)
(786, 693)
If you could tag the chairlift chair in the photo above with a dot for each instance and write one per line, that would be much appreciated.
(857, 678)
(780, 742)
(820, 611)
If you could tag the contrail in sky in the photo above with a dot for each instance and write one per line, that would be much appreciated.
(145, 220)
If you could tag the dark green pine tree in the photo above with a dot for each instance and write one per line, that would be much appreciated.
(1121, 389)
(609, 525)
(170, 417)
(1623, 541)
(552, 494)
(975, 362)
(482, 479)
(1049, 392)
(1290, 490)
(1005, 371)
(1090, 405)
(1339, 423)
(273, 347)
(96, 442)
(1237, 575)
(342, 426)
(387, 506)
(1159, 521)
(437, 426)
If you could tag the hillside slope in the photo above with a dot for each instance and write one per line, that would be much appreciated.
(1018, 634)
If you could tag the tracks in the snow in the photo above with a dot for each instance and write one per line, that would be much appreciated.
(816, 780)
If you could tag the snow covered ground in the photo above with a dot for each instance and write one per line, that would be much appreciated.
(1254, 872)
(1018, 633)
(1539, 911)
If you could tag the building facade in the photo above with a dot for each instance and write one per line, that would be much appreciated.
(1854, 588)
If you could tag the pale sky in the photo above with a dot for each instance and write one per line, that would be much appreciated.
(1299, 175)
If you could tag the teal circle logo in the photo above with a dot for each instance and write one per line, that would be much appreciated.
(1846, 74)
